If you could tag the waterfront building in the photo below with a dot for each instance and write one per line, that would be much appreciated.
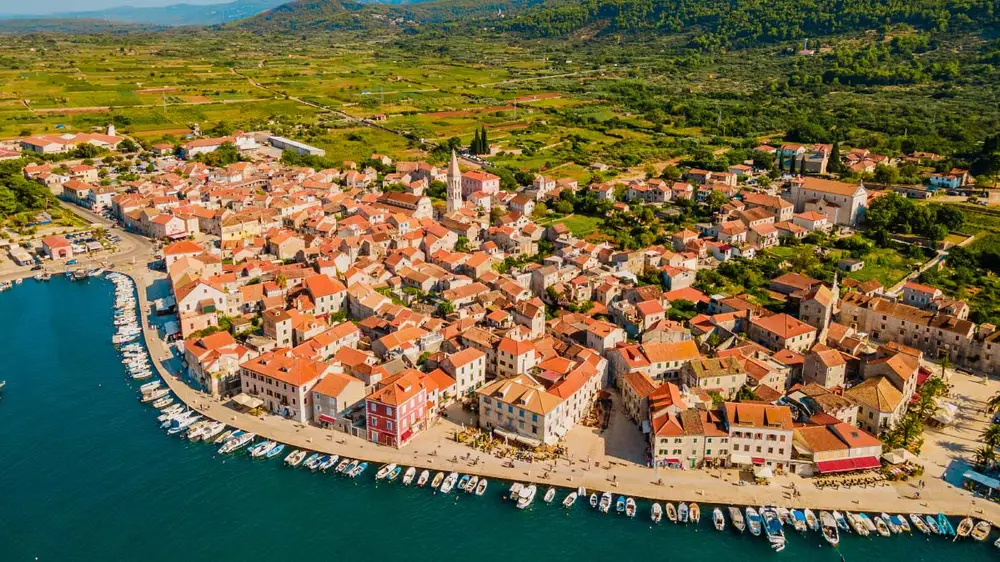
(397, 410)
(759, 434)
(283, 382)
(213, 361)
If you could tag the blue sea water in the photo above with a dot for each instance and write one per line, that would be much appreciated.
(86, 475)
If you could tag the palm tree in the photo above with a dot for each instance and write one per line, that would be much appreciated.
(993, 406)
(986, 457)
(909, 427)
(991, 437)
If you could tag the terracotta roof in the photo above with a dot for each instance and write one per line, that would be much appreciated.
(876, 393)
(783, 325)
(758, 415)
(335, 383)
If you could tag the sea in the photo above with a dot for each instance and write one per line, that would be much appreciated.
(87, 475)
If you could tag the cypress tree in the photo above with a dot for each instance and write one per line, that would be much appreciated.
(485, 144)
(474, 145)
(835, 158)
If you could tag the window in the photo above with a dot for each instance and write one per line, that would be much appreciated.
(520, 413)
(534, 417)
(371, 406)
(388, 425)
(510, 409)
(388, 411)
(372, 421)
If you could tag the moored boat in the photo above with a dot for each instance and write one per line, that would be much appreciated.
(799, 521)
(811, 520)
(945, 525)
(718, 519)
(463, 482)
(526, 496)
(155, 395)
(594, 500)
(438, 478)
(394, 473)
(550, 495)
(981, 530)
(262, 448)
(150, 387)
(356, 471)
(656, 512)
(310, 462)
(295, 458)
(671, 512)
(933, 524)
(569, 500)
(902, 523)
(342, 467)
(515, 489)
(630, 507)
(605, 505)
(620, 504)
(329, 463)
(384, 471)
(868, 523)
(772, 528)
(857, 524)
(181, 424)
(893, 527)
(964, 528)
(237, 442)
(351, 466)
(881, 527)
(481, 487)
(471, 486)
(410, 474)
(682, 512)
(694, 513)
(163, 402)
(425, 475)
(754, 522)
(275, 451)
(449, 482)
(841, 522)
(736, 516)
(829, 526)
(919, 524)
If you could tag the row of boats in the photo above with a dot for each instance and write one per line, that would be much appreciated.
(128, 328)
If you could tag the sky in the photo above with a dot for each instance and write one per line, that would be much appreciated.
(55, 6)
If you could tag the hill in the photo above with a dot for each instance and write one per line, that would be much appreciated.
(737, 23)
(72, 26)
(172, 15)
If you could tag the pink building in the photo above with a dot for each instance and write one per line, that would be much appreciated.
(397, 410)
(477, 180)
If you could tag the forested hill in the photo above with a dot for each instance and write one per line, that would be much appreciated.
(325, 15)
(736, 23)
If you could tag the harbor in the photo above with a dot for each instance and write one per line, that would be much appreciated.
(115, 455)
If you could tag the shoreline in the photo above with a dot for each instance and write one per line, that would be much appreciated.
(639, 482)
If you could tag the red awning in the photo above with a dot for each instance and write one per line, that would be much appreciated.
(846, 465)
(757, 460)
(674, 461)
(326, 418)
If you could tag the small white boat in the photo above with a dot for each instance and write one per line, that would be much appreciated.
(570, 499)
(423, 478)
(470, 486)
(526, 496)
(964, 528)
(630, 507)
(213, 429)
(981, 530)
(261, 449)
(605, 504)
(235, 443)
(671, 512)
(342, 467)
(515, 489)
(481, 487)
(384, 471)
(594, 500)
(736, 516)
(409, 475)
(438, 479)
(222, 438)
(295, 458)
(718, 519)
(449, 482)
(656, 513)
(918, 522)
(550, 495)
(896, 529)
(163, 402)
(811, 519)
(150, 387)
(829, 525)
(155, 395)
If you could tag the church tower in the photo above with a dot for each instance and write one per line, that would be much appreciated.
(454, 184)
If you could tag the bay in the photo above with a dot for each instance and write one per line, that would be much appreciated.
(86, 475)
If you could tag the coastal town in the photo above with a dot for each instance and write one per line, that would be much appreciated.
(400, 305)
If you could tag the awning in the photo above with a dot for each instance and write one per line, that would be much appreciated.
(763, 472)
(247, 401)
(847, 465)
(739, 459)
(528, 441)
(326, 418)
(672, 461)
(757, 460)
(991, 483)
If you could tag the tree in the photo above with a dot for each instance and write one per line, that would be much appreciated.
(991, 436)
(127, 145)
(836, 166)
(745, 393)
(671, 173)
(715, 200)
(445, 308)
(540, 211)
(886, 174)
(474, 145)
(281, 280)
(484, 143)
(993, 405)
(462, 245)
(986, 458)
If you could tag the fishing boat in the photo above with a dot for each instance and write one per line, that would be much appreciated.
(310, 463)
(893, 527)
(753, 521)
(919, 524)
(933, 524)
(811, 519)
(463, 482)
(671, 512)
(342, 465)
(163, 402)
(736, 516)
(620, 504)
(295, 458)
(903, 524)
(772, 528)
(841, 522)
(981, 530)
(550, 495)
(868, 523)
(656, 513)
(224, 436)
(438, 478)
(394, 473)
(718, 519)
(881, 527)
(236, 443)
(356, 471)
(605, 504)
(569, 500)
(830, 530)
(694, 513)
(526, 496)
(425, 475)
(630, 507)
(179, 425)
(945, 525)
(411, 473)
(481, 488)
(594, 500)
(275, 451)
(799, 521)
(964, 528)
(515, 489)
(471, 486)
(212, 431)
(328, 463)
(857, 524)
(384, 471)
(449, 482)
(351, 466)
(682, 512)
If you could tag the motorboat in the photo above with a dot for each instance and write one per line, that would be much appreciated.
(656, 512)
(463, 482)
(449, 483)
(964, 528)
(150, 387)
(351, 466)
(213, 429)
(550, 495)
(594, 500)
(410, 474)
(344, 463)
(901, 522)
(329, 463)
(425, 475)
(919, 524)
(605, 505)
(384, 471)
(945, 525)
(169, 412)
(393, 474)
(481, 487)
(225, 435)
(620, 505)
(570, 499)
(630, 507)
(694, 513)
(736, 516)
(236, 443)
(471, 485)
(168, 420)
(438, 478)
(829, 526)
(784, 515)
(841, 522)
(981, 531)
(163, 402)
(868, 523)
(799, 521)
(155, 395)
(893, 527)
(179, 425)
(261, 449)
(275, 451)
(718, 519)
(356, 471)
(682, 512)
(772, 528)
(515, 489)
(754, 522)
(312, 461)
(581, 492)
(881, 527)
(933, 524)
(811, 519)
(295, 458)
(671, 512)
(526, 496)
(857, 524)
